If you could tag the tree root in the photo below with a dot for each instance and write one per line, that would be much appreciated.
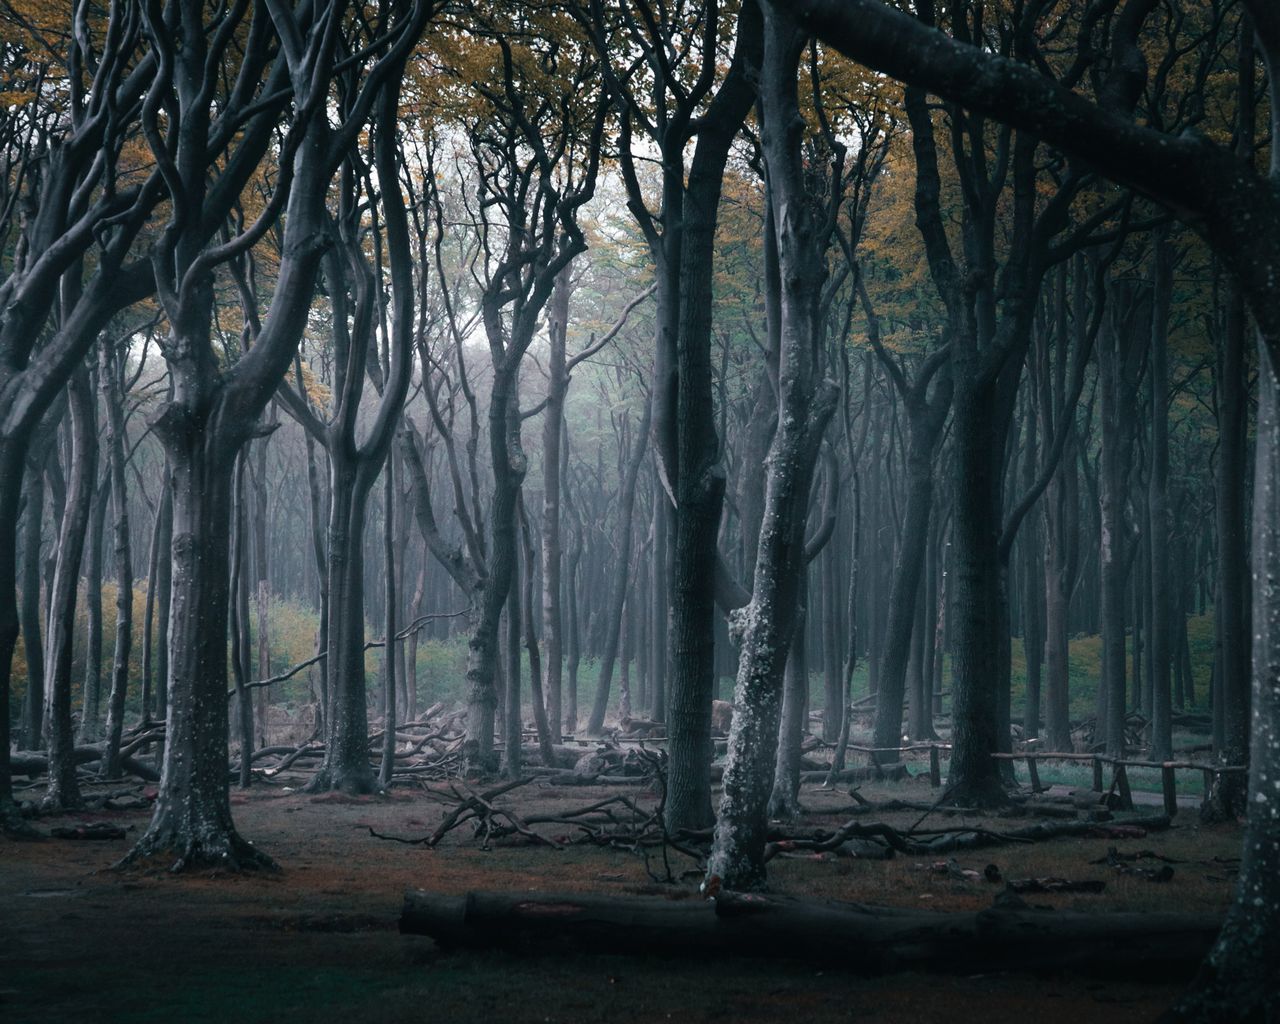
(181, 851)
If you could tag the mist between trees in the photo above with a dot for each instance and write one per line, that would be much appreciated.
(908, 371)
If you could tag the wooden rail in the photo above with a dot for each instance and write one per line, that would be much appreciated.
(1120, 775)
(1119, 766)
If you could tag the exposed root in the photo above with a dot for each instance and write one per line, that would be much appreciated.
(785, 807)
(985, 794)
(351, 783)
(178, 851)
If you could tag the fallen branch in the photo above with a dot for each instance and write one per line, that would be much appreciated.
(32, 764)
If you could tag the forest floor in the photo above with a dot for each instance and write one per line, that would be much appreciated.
(319, 941)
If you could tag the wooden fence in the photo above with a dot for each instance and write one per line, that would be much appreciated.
(1119, 769)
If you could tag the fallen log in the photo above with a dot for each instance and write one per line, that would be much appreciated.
(570, 777)
(851, 936)
(31, 764)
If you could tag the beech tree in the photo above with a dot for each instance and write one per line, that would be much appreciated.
(211, 414)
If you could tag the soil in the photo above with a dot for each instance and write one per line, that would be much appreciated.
(318, 940)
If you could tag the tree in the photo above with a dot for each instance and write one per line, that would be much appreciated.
(64, 789)
(682, 105)
(806, 403)
(211, 414)
(356, 294)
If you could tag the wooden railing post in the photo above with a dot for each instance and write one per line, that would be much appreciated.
(1122, 788)
(1169, 786)
(1034, 772)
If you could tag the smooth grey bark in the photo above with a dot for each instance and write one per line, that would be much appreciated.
(80, 206)
(164, 590)
(390, 653)
(92, 684)
(1032, 594)
(11, 462)
(681, 240)
(573, 638)
(1230, 696)
(1160, 591)
(109, 375)
(355, 465)
(262, 583)
(317, 509)
(833, 702)
(512, 711)
(519, 283)
(553, 427)
(32, 634)
(63, 791)
(1226, 800)
(622, 577)
(1061, 522)
(926, 414)
(1118, 356)
(660, 619)
(212, 412)
(920, 720)
(241, 655)
(537, 695)
(149, 613)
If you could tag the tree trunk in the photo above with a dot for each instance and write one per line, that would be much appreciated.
(109, 374)
(262, 590)
(1030, 547)
(11, 469)
(1236, 982)
(164, 592)
(772, 623)
(700, 483)
(318, 516)
(975, 605)
(241, 659)
(513, 712)
(90, 713)
(552, 464)
(63, 791)
(390, 653)
(191, 825)
(346, 761)
(784, 795)
(32, 644)
(622, 578)
(904, 594)
(1112, 491)
(482, 648)
(149, 614)
(537, 698)
(660, 588)
(575, 634)
(1230, 698)
(1160, 632)
(833, 709)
